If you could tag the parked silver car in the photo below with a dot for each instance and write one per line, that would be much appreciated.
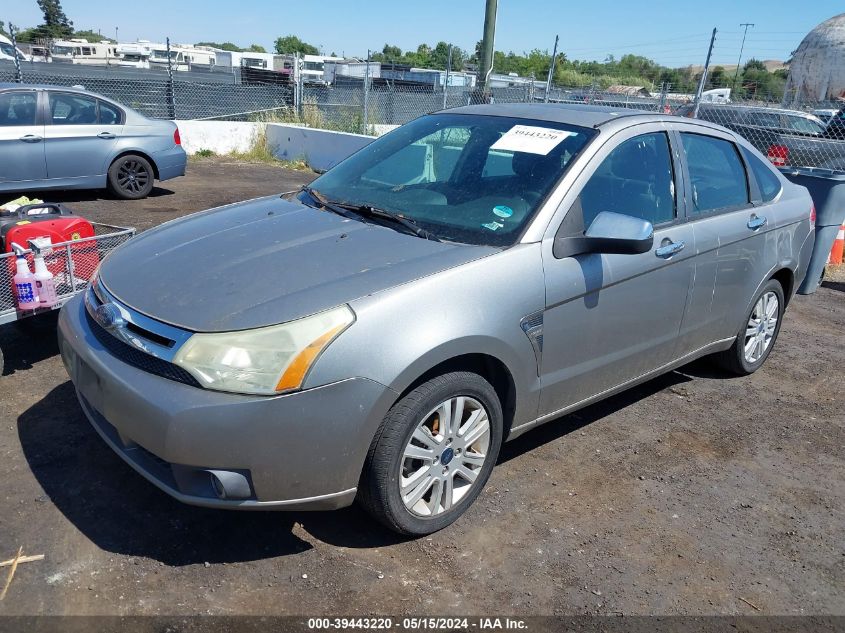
(53, 137)
(461, 280)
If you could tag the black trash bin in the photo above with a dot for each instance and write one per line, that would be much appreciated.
(827, 188)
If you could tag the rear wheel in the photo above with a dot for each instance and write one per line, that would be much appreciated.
(755, 340)
(433, 454)
(131, 177)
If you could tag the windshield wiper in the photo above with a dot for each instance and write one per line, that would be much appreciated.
(329, 205)
(361, 211)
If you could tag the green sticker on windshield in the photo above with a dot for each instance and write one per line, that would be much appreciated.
(493, 226)
(503, 211)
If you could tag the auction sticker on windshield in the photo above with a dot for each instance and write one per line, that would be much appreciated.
(531, 139)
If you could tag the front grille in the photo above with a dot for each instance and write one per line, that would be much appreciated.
(137, 358)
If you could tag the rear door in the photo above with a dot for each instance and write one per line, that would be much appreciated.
(81, 135)
(611, 318)
(21, 137)
(731, 226)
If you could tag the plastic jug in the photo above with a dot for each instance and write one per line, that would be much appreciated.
(26, 290)
(44, 282)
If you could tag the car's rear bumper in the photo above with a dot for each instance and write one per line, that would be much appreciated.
(298, 451)
(171, 163)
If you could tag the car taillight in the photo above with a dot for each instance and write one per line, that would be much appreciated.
(813, 215)
(176, 138)
(778, 154)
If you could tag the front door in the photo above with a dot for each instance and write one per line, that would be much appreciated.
(611, 318)
(21, 138)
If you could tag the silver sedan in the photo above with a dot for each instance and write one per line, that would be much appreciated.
(461, 280)
(53, 137)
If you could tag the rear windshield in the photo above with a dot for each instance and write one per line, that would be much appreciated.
(466, 178)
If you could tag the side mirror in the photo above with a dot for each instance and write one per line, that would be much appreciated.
(611, 233)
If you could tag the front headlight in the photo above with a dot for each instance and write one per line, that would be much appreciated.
(268, 360)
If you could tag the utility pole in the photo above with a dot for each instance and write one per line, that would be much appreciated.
(446, 79)
(703, 76)
(551, 72)
(366, 92)
(742, 46)
(486, 61)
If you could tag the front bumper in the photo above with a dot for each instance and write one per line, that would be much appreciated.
(171, 163)
(298, 451)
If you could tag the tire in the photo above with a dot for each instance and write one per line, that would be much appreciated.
(424, 410)
(131, 177)
(736, 360)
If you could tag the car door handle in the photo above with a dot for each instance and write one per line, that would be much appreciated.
(667, 250)
(756, 222)
(105, 135)
(31, 138)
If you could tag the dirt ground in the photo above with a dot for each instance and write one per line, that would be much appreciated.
(691, 494)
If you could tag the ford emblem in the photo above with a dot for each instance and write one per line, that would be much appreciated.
(108, 316)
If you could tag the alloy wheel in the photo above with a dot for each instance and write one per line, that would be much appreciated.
(444, 456)
(132, 176)
(761, 327)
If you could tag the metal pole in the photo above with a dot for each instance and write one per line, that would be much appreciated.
(446, 80)
(366, 93)
(703, 76)
(551, 72)
(742, 46)
(171, 97)
(486, 65)
(13, 37)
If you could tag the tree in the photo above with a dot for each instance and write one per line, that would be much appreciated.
(754, 64)
(292, 44)
(3, 29)
(90, 36)
(256, 48)
(56, 24)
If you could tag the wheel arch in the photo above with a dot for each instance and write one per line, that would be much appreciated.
(136, 152)
(489, 367)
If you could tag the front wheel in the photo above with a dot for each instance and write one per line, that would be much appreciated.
(131, 177)
(757, 337)
(433, 454)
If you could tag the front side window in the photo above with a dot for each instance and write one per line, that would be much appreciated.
(718, 176)
(635, 179)
(466, 178)
(18, 108)
(71, 109)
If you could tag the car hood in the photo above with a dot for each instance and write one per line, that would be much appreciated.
(266, 261)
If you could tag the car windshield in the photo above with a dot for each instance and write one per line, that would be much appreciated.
(804, 125)
(7, 49)
(462, 177)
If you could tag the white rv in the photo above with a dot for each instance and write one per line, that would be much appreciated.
(134, 54)
(234, 59)
(7, 51)
(79, 51)
(313, 67)
(182, 57)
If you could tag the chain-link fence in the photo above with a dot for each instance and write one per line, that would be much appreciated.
(805, 133)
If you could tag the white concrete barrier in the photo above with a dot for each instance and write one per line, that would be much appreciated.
(320, 149)
(221, 137)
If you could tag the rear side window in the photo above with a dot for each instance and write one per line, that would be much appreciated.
(718, 176)
(109, 115)
(767, 180)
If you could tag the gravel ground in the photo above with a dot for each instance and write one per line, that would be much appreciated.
(691, 494)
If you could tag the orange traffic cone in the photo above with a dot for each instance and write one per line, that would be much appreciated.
(836, 252)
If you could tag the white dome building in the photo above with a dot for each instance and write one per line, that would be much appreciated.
(817, 70)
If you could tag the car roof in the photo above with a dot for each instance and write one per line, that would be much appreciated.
(572, 113)
(9, 85)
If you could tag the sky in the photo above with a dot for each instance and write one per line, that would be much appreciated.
(672, 32)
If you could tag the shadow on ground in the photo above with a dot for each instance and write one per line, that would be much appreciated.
(123, 513)
(27, 342)
(86, 195)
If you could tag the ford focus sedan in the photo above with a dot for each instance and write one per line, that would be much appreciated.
(475, 273)
(55, 137)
